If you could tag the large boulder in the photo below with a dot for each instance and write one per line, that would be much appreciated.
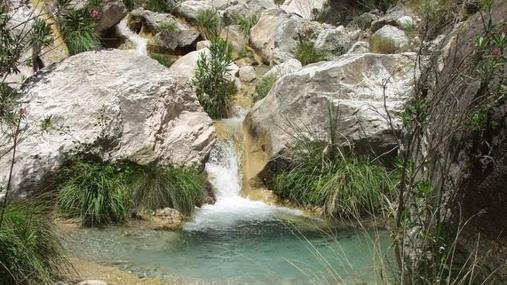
(392, 34)
(335, 41)
(112, 13)
(351, 85)
(116, 104)
(169, 32)
(276, 35)
(308, 9)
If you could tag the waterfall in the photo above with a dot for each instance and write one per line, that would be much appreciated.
(140, 42)
(231, 209)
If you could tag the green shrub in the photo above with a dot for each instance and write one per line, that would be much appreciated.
(7, 104)
(264, 87)
(382, 45)
(179, 188)
(209, 24)
(30, 253)
(306, 53)
(246, 23)
(95, 192)
(213, 88)
(78, 31)
(349, 186)
(100, 193)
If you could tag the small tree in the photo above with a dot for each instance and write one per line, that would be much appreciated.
(213, 88)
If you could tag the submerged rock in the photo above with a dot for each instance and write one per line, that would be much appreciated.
(115, 104)
(167, 219)
(352, 86)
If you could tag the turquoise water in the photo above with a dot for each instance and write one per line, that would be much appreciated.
(248, 253)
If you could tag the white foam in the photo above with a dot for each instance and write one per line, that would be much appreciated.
(140, 42)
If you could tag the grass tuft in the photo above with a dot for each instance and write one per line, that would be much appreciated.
(95, 192)
(78, 31)
(30, 253)
(178, 188)
(246, 23)
(382, 45)
(307, 53)
(209, 24)
(264, 87)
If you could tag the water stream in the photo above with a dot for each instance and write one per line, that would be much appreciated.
(139, 42)
(236, 240)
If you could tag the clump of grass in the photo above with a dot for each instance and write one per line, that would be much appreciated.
(213, 88)
(307, 53)
(164, 59)
(382, 45)
(78, 30)
(30, 253)
(264, 87)
(97, 193)
(178, 188)
(209, 24)
(7, 104)
(101, 193)
(349, 186)
(130, 4)
(246, 23)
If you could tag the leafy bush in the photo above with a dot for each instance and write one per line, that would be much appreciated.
(382, 45)
(213, 88)
(246, 23)
(78, 30)
(349, 186)
(178, 188)
(306, 52)
(209, 24)
(7, 104)
(101, 193)
(30, 253)
(95, 192)
(264, 87)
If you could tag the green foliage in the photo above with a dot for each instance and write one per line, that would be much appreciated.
(209, 24)
(436, 15)
(349, 186)
(278, 2)
(95, 192)
(306, 52)
(130, 4)
(264, 87)
(213, 88)
(78, 30)
(30, 253)
(179, 188)
(382, 45)
(164, 59)
(101, 193)
(7, 104)
(246, 23)
(168, 26)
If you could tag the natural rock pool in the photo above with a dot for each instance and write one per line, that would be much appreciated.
(238, 240)
(271, 252)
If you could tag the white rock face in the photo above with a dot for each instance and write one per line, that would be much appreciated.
(275, 35)
(397, 36)
(168, 31)
(351, 85)
(360, 47)
(191, 9)
(335, 41)
(290, 66)
(112, 13)
(247, 73)
(307, 9)
(120, 104)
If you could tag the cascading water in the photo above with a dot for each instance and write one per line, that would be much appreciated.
(140, 42)
(224, 173)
